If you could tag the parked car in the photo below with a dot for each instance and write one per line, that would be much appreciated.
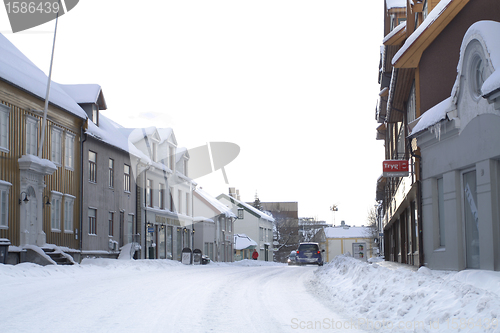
(292, 258)
(309, 253)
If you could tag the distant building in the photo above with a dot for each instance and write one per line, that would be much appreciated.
(255, 224)
(340, 240)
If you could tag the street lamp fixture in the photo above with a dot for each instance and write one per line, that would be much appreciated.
(25, 197)
(48, 201)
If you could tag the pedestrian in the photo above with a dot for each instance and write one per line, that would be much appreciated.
(255, 255)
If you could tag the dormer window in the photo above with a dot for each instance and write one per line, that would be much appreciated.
(95, 114)
(475, 68)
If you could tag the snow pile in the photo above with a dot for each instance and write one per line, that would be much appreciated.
(406, 300)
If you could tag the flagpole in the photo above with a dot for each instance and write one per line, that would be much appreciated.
(45, 109)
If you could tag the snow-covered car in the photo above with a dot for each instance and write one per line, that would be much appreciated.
(309, 253)
(292, 258)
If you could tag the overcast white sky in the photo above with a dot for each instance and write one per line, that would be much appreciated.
(293, 83)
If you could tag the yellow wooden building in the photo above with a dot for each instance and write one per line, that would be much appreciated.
(39, 194)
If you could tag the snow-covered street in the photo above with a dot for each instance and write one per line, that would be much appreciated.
(104, 295)
(158, 296)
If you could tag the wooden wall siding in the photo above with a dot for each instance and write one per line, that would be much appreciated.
(63, 180)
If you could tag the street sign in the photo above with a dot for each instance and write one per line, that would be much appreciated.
(395, 168)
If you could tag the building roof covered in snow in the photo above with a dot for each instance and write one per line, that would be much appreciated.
(219, 206)
(409, 54)
(247, 207)
(242, 241)
(18, 70)
(487, 33)
(347, 232)
(86, 93)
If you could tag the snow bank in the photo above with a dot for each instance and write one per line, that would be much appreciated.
(412, 301)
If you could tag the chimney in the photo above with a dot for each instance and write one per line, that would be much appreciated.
(238, 195)
(232, 192)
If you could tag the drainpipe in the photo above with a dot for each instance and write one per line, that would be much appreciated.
(419, 208)
(80, 233)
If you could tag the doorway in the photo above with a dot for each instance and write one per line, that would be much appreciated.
(471, 220)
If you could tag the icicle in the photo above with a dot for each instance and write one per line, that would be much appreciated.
(436, 129)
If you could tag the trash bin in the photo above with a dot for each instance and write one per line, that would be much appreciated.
(186, 256)
(196, 257)
(4, 249)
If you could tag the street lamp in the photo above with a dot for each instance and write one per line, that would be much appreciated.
(25, 197)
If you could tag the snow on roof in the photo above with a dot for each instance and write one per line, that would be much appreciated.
(248, 207)
(83, 93)
(347, 232)
(17, 69)
(434, 115)
(431, 18)
(486, 32)
(110, 133)
(215, 203)
(395, 4)
(394, 31)
(242, 241)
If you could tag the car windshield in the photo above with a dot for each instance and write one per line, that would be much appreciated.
(308, 247)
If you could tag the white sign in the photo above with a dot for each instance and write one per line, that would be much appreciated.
(359, 251)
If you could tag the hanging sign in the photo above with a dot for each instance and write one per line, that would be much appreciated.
(395, 168)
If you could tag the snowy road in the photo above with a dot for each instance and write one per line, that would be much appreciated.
(163, 297)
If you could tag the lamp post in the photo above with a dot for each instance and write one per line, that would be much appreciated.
(334, 208)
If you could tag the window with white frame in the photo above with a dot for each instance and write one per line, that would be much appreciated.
(111, 217)
(55, 213)
(31, 135)
(92, 221)
(92, 166)
(111, 173)
(171, 158)
(69, 150)
(69, 203)
(4, 204)
(187, 204)
(4, 128)
(126, 178)
(149, 193)
(179, 199)
(56, 146)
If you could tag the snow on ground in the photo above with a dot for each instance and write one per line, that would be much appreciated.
(104, 295)
(393, 297)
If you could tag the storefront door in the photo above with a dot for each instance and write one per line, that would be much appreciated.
(471, 220)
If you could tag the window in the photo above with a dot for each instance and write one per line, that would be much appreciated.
(179, 199)
(69, 150)
(440, 197)
(55, 214)
(187, 204)
(171, 158)
(126, 178)
(186, 167)
(111, 216)
(69, 202)
(92, 221)
(95, 114)
(149, 193)
(412, 104)
(161, 196)
(4, 128)
(56, 146)
(92, 166)
(4, 204)
(31, 135)
(111, 173)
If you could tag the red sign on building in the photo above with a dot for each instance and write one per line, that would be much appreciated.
(395, 168)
